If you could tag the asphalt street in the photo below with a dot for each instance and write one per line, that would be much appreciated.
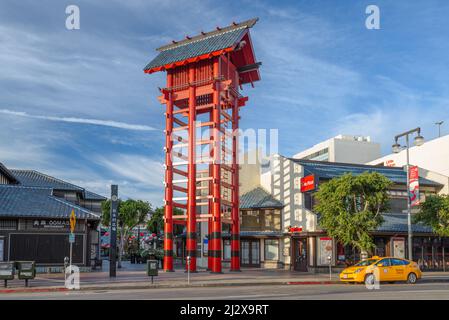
(400, 291)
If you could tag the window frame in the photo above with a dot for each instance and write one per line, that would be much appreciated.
(265, 249)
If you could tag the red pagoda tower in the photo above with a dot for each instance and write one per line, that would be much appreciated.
(202, 99)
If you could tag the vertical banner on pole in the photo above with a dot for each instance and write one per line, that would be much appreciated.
(413, 187)
(113, 232)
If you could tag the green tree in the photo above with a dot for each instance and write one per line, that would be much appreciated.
(350, 207)
(156, 222)
(130, 214)
(434, 212)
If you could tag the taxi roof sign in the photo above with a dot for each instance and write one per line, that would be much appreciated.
(72, 221)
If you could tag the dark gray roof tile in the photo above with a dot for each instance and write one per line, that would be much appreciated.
(202, 44)
(20, 201)
(8, 174)
(329, 170)
(259, 198)
(397, 222)
(197, 48)
(32, 178)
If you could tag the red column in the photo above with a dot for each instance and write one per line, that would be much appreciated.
(215, 236)
(235, 214)
(191, 193)
(168, 213)
(210, 192)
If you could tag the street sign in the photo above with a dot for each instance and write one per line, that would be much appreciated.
(72, 221)
(307, 183)
(71, 237)
(295, 229)
(113, 231)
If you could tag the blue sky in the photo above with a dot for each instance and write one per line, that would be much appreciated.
(76, 104)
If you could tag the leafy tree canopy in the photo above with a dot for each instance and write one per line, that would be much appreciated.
(435, 213)
(350, 207)
(130, 214)
(156, 222)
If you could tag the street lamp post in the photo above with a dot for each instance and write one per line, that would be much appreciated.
(419, 140)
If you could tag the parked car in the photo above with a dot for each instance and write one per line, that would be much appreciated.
(386, 269)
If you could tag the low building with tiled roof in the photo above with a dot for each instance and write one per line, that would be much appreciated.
(305, 246)
(34, 219)
(279, 227)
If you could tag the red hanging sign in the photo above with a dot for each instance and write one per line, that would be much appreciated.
(308, 183)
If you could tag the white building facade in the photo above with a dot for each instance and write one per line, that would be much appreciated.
(433, 155)
(343, 148)
(298, 243)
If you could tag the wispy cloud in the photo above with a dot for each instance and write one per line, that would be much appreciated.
(323, 73)
(98, 122)
(136, 168)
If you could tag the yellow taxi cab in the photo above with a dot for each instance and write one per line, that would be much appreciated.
(388, 269)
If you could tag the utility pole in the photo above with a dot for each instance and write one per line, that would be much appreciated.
(418, 141)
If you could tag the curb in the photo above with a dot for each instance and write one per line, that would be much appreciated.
(30, 290)
(166, 286)
(313, 282)
(193, 285)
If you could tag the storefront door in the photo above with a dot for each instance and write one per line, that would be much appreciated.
(250, 253)
(300, 254)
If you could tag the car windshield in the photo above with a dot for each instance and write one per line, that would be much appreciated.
(366, 262)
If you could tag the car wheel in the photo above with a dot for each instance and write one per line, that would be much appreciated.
(412, 278)
(370, 279)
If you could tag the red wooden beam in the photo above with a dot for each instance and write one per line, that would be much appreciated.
(168, 211)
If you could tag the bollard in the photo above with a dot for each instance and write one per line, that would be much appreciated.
(188, 270)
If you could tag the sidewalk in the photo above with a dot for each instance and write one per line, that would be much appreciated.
(130, 278)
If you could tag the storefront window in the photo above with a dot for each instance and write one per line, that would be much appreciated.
(418, 250)
(8, 225)
(347, 255)
(446, 253)
(431, 253)
(250, 220)
(261, 220)
(272, 220)
(397, 204)
(341, 257)
(380, 247)
(271, 249)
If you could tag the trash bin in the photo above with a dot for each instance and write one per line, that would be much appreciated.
(26, 270)
(7, 271)
(152, 269)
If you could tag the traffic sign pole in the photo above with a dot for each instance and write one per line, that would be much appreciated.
(70, 263)
(72, 235)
